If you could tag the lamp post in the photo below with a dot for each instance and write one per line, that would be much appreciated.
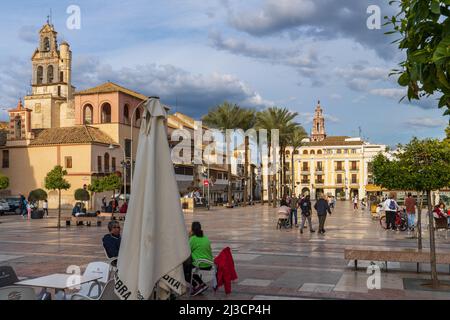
(124, 166)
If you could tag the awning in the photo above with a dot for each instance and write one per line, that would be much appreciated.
(373, 188)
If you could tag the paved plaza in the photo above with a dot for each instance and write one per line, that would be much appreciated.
(271, 264)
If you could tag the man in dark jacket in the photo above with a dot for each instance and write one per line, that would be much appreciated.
(322, 209)
(111, 241)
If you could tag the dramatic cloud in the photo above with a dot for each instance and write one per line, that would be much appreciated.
(320, 19)
(426, 122)
(306, 64)
(191, 93)
(15, 75)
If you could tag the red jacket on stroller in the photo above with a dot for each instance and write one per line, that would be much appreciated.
(225, 270)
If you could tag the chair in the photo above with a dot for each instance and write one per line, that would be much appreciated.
(112, 263)
(8, 276)
(94, 289)
(14, 293)
(206, 275)
(107, 293)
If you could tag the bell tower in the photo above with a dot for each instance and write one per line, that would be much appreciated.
(51, 98)
(318, 129)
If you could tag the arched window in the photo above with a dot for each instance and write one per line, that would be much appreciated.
(319, 152)
(46, 44)
(106, 162)
(138, 117)
(318, 127)
(106, 113)
(50, 74)
(288, 153)
(312, 152)
(40, 75)
(305, 152)
(126, 114)
(87, 114)
(296, 152)
(18, 127)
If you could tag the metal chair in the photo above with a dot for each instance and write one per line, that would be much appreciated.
(15, 293)
(8, 276)
(207, 276)
(107, 293)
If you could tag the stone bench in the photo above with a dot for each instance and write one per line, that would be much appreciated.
(88, 220)
(394, 255)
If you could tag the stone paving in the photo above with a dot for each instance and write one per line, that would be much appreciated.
(271, 264)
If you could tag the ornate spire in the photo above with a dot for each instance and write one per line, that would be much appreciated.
(19, 105)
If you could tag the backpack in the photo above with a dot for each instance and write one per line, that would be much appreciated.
(392, 205)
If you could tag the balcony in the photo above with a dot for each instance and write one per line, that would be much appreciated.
(319, 170)
(339, 182)
(305, 170)
(305, 181)
(354, 168)
(339, 169)
(320, 182)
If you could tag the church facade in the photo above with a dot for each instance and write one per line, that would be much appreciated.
(89, 133)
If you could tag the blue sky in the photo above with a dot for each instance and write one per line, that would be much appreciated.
(258, 53)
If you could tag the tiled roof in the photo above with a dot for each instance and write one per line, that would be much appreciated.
(70, 135)
(335, 141)
(109, 87)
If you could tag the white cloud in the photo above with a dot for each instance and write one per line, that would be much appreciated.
(426, 122)
(394, 93)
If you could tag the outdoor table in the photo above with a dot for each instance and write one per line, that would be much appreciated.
(59, 282)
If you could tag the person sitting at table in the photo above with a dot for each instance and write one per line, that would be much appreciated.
(111, 241)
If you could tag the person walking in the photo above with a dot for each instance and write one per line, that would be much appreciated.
(390, 207)
(305, 207)
(45, 207)
(294, 207)
(322, 209)
(355, 202)
(410, 204)
(29, 210)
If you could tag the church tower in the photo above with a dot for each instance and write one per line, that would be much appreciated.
(51, 99)
(318, 129)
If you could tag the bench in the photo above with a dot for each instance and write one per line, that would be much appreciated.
(113, 216)
(88, 220)
(394, 255)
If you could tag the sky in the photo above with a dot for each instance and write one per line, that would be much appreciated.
(257, 53)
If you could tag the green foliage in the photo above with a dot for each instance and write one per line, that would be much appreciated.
(424, 30)
(55, 179)
(96, 186)
(421, 165)
(38, 195)
(4, 182)
(278, 118)
(82, 195)
(111, 183)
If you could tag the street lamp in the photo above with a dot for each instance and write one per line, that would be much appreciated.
(124, 166)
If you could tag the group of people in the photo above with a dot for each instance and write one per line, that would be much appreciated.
(26, 207)
(441, 212)
(113, 206)
(200, 250)
(289, 207)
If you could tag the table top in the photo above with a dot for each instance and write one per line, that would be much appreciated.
(59, 281)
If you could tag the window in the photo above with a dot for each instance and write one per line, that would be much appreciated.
(296, 152)
(353, 150)
(37, 108)
(68, 162)
(128, 148)
(312, 152)
(354, 178)
(87, 117)
(40, 75)
(354, 165)
(126, 114)
(61, 76)
(339, 151)
(107, 162)
(305, 166)
(339, 179)
(50, 74)
(319, 179)
(106, 113)
(288, 153)
(113, 164)
(138, 117)
(305, 152)
(18, 127)
(305, 179)
(5, 163)
(99, 164)
(339, 166)
(319, 152)
(319, 166)
(46, 44)
(59, 91)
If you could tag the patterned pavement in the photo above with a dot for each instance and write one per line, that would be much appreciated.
(271, 264)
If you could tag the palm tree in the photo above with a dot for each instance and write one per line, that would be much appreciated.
(283, 120)
(248, 122)
(296, 141)
(223, 117)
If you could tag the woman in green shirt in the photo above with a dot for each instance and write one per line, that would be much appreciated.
(200, 249)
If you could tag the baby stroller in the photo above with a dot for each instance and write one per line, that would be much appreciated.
(283, 220)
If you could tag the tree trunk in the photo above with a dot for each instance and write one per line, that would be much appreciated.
(419, 221)
(230, 185)
(59, 208)
(434, 277)
(246, 173)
